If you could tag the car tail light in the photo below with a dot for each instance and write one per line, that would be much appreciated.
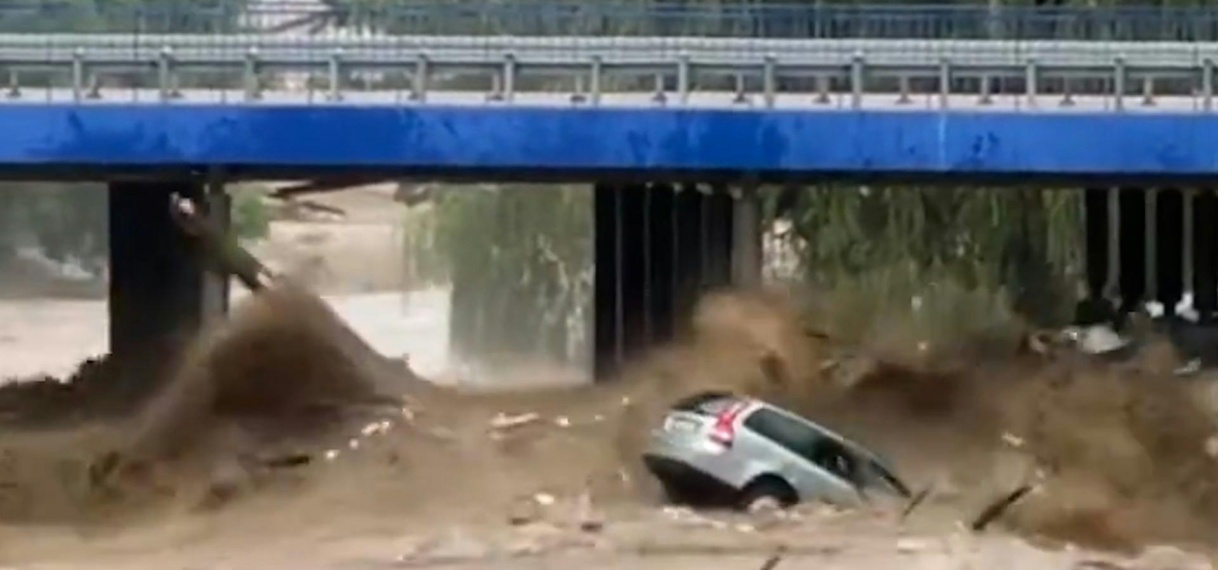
(724, 430)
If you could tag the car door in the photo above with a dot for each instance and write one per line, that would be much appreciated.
(795, 444)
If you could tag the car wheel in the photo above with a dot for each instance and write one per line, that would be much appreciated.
(675, 494)
(767, 494)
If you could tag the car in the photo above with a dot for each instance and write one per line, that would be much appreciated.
(732, 450)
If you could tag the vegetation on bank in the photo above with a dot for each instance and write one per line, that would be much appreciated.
(948, 265)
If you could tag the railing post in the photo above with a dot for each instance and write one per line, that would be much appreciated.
(335, 75)
(985, 98)
(1030, 75)
(94, 87)
(251, 84)
(594, 80)
(903, 97)
(857, 76)
(578, 96)
(1207, 84)
(509, 77)
(658, 97)
(683, 78)
(421, 79)
(165, 73)
(1148, 91)
(945, 82)
(1119, 75)
(822, 89)
(769, 81)
(78, 74)
(742, 92)
(14, 85)
(496, 93)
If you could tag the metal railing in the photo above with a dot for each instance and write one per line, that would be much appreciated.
(786, 19)
(113, 50)
(247, 68)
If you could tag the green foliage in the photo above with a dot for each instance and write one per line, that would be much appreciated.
(948, 263)
(68, 221)
(250, 218)
(519, 259)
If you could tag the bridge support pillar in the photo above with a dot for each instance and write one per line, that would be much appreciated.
(160, 293)
(1132, 223)
(1099, 247)
(1205, 254)
(658, 247)
(1168, 248)
(746, 239)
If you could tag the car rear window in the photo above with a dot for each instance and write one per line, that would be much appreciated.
(705, 403)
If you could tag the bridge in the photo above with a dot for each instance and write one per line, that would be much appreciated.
(676, 134)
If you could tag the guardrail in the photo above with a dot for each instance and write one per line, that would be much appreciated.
(858, 67)
(396, 51)
(784, 19)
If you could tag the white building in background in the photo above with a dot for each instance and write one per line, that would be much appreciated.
(276, 18)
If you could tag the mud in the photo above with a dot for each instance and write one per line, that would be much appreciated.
(1117, 452)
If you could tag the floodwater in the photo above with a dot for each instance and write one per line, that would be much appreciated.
(52, 336)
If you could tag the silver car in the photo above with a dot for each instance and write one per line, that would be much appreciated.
(722, 448)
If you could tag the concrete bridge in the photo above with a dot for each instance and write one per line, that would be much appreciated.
(675, 156)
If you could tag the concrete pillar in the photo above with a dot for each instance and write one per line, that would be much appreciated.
(157, 283)
(1132, 276)
(661, 274)
(1151, 227)
(1100, 279)
(1186, 236)
(746, 238)
(1205, 254)
(1167, 248)
(718, 213)
(1112, 284)
(690, 253)
(657, 249)
(632, 268)
(607, 314)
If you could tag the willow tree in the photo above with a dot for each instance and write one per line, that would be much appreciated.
(1003, 251)
(519, 262)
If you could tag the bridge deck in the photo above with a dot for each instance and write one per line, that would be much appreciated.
(459, 135)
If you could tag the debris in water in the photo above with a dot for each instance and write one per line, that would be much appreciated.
(1211, 447)
(994, 510)
(503, 421)
(910, 546)
(1012, 440)
(589, 521)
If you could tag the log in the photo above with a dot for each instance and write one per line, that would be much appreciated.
(223, 252)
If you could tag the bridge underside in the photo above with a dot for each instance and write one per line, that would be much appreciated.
(1150, 245)
(658, 246)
